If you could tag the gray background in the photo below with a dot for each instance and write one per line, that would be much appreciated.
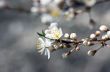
(18, 38)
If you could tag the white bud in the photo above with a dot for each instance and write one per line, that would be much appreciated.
(64, 55)
(82, 39)
(55, 46)
(66, 35)
(73, 35)
(77, 48)
(103, 28)
(104, 37)
(88, 43)
(91, 52)
(92, 36)
(108, 33)
(97, 33)
(85, 42)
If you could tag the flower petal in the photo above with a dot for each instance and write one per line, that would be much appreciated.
(61, 32)
(47, 43)
(53, 25)
(48, 53)
(41, 51)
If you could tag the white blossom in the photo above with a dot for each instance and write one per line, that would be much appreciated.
(45, 18)
(53, 32)
(43, 45)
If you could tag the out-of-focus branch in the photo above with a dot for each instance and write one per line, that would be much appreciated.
(17, 9)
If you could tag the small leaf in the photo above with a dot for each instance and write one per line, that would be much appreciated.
(43, 33)
(40, 34)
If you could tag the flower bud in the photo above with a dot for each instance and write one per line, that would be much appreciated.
(64, 55)
(105, 37)
(108, 33)
(77, 48)
(91, 52)
(66, 35)
(55, 46)
(88, 43)
(73, 35)
(97, 33)
(61, 45)
(103, 28)
(92, 36)
(85, 42)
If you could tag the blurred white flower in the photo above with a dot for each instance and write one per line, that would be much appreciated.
(103, 28)
(53, 32)
(89, 2)
(45, 18)
(2, 3)
(69, 14)
(34, 9)
(45, 2)
(43, 45)
(57, 1)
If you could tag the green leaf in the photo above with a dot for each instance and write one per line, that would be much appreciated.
(40, 34)
(43, 33)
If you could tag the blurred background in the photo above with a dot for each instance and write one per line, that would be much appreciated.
(18, 38)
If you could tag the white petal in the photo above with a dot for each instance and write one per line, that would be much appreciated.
(60, 30)
(41, 40)
(41, 51)
(48, 36)
(45, 53)
(47, 31)
(53, 25)
(40, 43)
(47, 43)
(48, 53)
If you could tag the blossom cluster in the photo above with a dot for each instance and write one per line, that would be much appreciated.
(53, 39)
(50, 9)
(53, 10)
